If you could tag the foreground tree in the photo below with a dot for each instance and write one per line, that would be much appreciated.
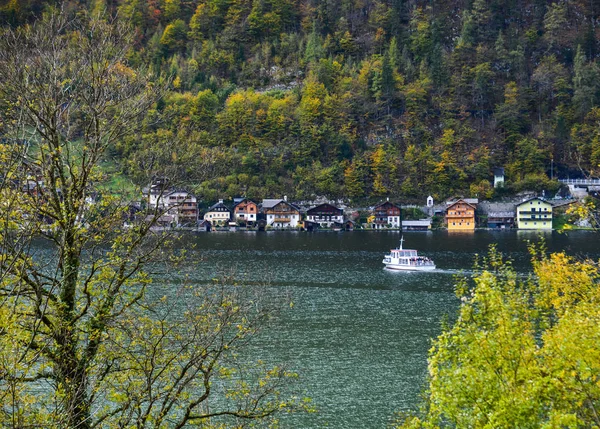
(523, 353)
(81, 343)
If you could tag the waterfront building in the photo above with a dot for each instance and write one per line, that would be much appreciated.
(534, 213)
(281, 214)
(245, 211)
(183, 206)
(218, 214)
(326, 215)
(387, 215)
(501, 220)
(157, 193)
(416, 225)
(460, 215)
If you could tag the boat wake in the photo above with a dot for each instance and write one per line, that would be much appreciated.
(435, 271)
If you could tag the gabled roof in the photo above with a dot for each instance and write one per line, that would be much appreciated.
(270, 203)
(469, 201)
(218, 205)
(321, 206)
(498, 171)
(532, 199)
(295, 207)
(238, 201)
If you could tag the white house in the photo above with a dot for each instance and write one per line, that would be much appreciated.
(183, 206)
(326, 215)
(156, 194)
(281, 214)
(218, 214)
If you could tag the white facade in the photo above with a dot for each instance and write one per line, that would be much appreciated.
(325, 221)
(218, 214)
(183, 206)
(217, 217)
(248, 217)
(394, 221)
(157, 199)
(289, 221)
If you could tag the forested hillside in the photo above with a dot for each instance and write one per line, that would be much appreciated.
(362, 98)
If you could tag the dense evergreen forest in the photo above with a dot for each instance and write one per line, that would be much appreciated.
(361, 99)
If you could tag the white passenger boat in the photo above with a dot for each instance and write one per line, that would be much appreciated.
(407, 260)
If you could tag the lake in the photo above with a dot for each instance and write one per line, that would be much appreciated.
(358, 335)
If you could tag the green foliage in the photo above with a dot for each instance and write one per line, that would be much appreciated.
(522, 353)
(518, 84)
(82, 345)
(174, 36)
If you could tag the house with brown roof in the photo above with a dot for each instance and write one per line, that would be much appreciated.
(281, 214)
(460, 215)
(245, 211)
(326, 215)
(387, 215)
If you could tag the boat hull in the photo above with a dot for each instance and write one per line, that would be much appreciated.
(397, 267)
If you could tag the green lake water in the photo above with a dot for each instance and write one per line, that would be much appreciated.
(358, 335)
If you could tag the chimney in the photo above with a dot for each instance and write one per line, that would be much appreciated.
(285, 198)
(220, 201)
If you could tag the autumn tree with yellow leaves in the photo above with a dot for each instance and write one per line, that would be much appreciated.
(524, 352)
(82, 345)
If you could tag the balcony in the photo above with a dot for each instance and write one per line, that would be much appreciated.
(462, 215)
(282, 219)
(535, 219)
(535, 213)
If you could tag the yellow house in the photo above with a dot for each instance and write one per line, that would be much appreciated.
(534, 213)
(460, 216)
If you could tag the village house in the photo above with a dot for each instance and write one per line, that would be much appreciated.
(280, 213)
(175, 207)
(183, 206)
(326, 215)
(534, 213)
(501, 220)
(460, 215)
(156, 194)
(387, 215)
(218, 214)
(245, 211)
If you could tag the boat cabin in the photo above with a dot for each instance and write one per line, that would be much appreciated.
(401, 253)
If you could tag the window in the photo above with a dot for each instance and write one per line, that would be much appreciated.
(453, 224)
